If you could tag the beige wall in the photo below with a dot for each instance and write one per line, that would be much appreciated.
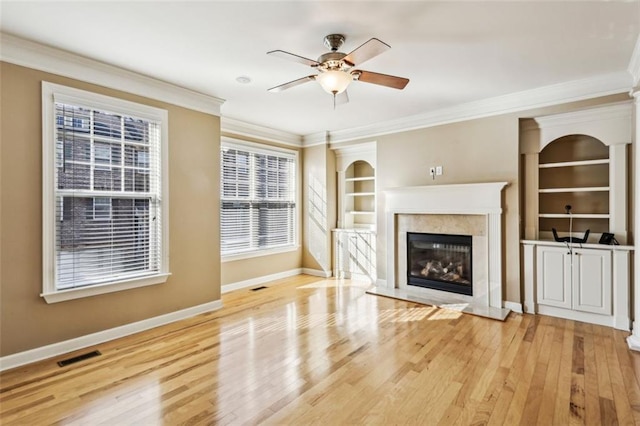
(319, 197)
(26, 320)
(257, 267)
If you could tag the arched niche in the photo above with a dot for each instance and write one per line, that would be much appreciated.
(579, 159)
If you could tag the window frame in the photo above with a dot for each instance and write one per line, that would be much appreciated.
(52, 93)
(232, 143)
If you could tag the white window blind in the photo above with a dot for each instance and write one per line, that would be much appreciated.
(107, 193)
(258, 199)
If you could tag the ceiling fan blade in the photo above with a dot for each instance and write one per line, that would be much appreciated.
(291, 84)
(366, 51)
(382, 79)
(293, 57)
(342, 98)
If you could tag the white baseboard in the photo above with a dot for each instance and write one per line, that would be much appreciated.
(55, 349)
(514, 306)
(317, 272)
(260, 280)
(634, 342)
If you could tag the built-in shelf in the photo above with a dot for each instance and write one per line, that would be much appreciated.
(577, 162)
(574, 163)
(360, 194)
(574, 170)
(575, 216)
(359, 179)
(354, 239)
(574, 189)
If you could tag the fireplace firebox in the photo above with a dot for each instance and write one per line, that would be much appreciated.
(440, 261)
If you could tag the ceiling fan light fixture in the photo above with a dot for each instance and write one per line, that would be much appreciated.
(333, 81)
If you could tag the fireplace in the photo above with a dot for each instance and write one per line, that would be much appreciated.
(462, 209)
(440, 262)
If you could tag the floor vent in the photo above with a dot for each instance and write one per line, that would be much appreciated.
(78, 358)
(259, 288)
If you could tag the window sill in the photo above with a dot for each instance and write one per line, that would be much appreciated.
(258, 253)
(81, 292)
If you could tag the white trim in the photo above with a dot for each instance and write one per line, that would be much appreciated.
(314, 139)
(633, 341)
(317, 272)
(591, 318)
(55, 349)
(52, 93)
(242, 128)
(367, 150)
(260, 148)
(634, 64)
(26, 53)
(260, 280)
(110, 287)
(610, 123)
(514, 306)
(570, 91)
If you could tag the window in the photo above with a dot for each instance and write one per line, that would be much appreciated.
(258, 199)
(104, 203)
(102, 154)
(101, 208)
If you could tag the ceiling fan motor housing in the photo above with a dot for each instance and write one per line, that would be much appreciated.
(334, 41)
(333, 61)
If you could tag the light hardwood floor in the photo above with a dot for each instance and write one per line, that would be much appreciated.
(312, 351)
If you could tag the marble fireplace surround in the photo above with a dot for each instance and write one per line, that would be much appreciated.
(470, 209)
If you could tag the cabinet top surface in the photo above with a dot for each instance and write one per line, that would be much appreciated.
(576, 245)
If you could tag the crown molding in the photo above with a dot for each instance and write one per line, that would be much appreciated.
(314, 139)
(242, 128)
(571, 91)
(634, 64)
(19, 51)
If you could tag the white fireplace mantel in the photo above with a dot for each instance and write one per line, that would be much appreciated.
(470, 199)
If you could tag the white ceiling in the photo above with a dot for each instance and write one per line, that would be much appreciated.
(453, 52)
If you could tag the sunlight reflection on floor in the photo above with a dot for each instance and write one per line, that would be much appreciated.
(337, 283)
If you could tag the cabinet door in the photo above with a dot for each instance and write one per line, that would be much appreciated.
(592, 281)
(341, 253)
(554, 277)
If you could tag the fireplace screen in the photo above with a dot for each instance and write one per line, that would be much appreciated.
(439, 261)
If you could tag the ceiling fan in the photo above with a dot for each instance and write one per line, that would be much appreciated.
(335, 69)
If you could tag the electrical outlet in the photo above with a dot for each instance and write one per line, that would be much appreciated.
(432, 171)
(438, 170)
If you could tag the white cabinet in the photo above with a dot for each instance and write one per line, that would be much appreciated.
(592, 281)
(554, 277)
(354, 254)
(588, 283)
(578, 279)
